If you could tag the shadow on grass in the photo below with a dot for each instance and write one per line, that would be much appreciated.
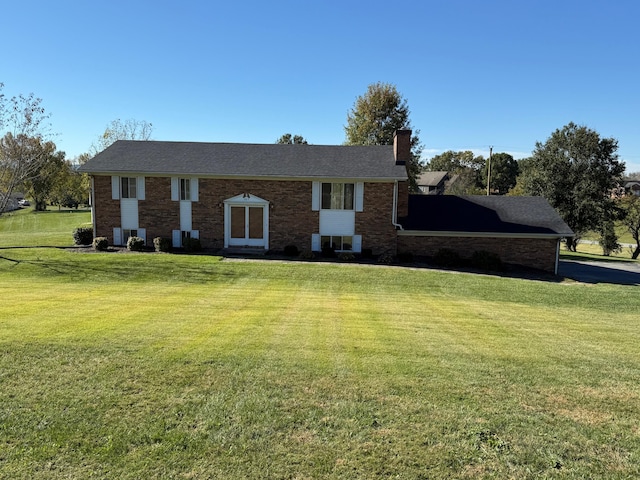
(130, 267)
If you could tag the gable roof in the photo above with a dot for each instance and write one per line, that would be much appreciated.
(520, 216)
(247, 160)
(431, 179)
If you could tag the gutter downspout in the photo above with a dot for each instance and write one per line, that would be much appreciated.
(394, 213)
(557, 255)
(93, 206)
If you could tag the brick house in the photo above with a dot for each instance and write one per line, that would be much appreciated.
(269, 196)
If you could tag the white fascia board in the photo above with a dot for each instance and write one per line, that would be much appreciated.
(247, 177)
(425, 233)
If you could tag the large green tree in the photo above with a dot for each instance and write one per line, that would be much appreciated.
(504, 172)
(374, 119)
(576, 170)
(42, 183)
(630, 205)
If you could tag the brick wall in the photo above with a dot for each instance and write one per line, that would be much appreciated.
(374, 222)
(291, 220)
(107, 211)
(537, 253)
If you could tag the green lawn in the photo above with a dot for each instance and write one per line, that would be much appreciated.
(26, 227)
(124, 365)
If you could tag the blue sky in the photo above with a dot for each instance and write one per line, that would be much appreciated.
(501, 73)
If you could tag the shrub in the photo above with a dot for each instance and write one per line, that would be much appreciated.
(385, 259)
(135, 244)
(448, 258)
(291, 251)
(486, 261)
(307, 255)
(100, 244)
(346, 256)
(191, 244)
(83, 236)
(161, 244)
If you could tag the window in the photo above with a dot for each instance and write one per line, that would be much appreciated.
(185, 189)
(337, 196)
(184, 235)
(128, 187)
(337, 243)
(128, 233)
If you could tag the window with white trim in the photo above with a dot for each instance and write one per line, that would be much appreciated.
(184, 235)
(185, 189)
(338, 196)
(128, 187)
(337, 243)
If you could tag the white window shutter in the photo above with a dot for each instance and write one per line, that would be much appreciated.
(315, 196)
(357, 243)
(194, 190)
(176, 238)
(140, 185)
(115, 187)
(175, 189)
(195, 233)
(315, 242)
(117, 236)
(142, 233)
(359, 196)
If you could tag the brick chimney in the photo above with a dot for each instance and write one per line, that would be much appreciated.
(402, 146)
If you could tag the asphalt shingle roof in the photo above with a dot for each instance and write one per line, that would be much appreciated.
(484, 214)
(247, 160)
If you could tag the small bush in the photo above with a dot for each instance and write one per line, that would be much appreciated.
(488, 261)
(346, 257)
(307, 255)
(83, 236)
(291, 251)
(385, 259)
(101, 244)
(161, 244)
(191, 244)
(135, 244)
(448, 258)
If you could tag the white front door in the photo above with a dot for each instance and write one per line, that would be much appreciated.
(246, 222)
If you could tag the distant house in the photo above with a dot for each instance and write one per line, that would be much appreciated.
(432, 183)
(270, 196)
(632, 187)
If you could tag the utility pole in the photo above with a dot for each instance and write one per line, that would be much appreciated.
(489, 171)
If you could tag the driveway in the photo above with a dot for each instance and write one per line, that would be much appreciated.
(621, 273)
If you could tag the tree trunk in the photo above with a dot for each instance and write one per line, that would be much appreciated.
(636, 252)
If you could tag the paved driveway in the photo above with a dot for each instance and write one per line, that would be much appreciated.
(622, 273)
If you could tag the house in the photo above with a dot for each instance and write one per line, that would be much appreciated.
(269, 196)
(632, 187)
(432, 183)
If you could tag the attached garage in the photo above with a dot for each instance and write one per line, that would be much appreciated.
(521, 230)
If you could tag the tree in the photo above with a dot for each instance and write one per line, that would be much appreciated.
(118, 130)
(288, 139)
(374, 119)
(630, 204)
(40, 185)
(504, 172)
(466, 168)
(576, 170)
(22, 118)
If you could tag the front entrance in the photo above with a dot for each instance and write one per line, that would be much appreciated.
(246, 222)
